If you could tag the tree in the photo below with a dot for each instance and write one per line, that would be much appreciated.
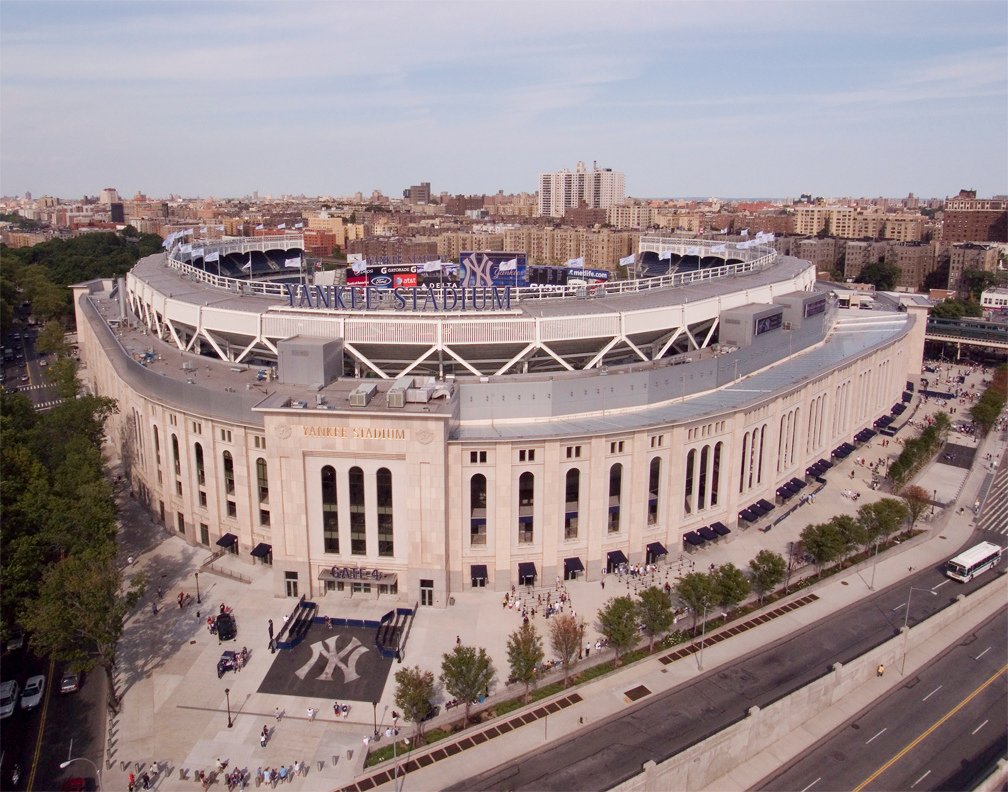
(525, 653)
(414, 691)
(916, 500)
(655, 613)
(767, 571)
(853, 533)
(51, 340)
(956, 309)
(566, 637)
(80, 610)
(617, 621)
(881, 275)
(731, 586)
(823, 542)
(696, 590)
(467, 673)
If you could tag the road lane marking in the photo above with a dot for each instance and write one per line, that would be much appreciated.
(913, 743)
(985, 651)
(939, 585)
(929, 695)
(978, 728)
(879, 733)
(41, 729)
(806, 789)
(915, 783)
(899, 607)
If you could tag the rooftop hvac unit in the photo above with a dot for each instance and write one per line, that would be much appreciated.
(299, 404)
(362, 394)
(396, 396)
(319, 400)
(187, 366)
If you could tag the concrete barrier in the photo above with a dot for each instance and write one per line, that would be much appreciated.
(702, 764)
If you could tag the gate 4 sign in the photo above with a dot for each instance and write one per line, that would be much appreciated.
(345, 659)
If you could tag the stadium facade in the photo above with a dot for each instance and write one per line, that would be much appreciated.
(400, 443)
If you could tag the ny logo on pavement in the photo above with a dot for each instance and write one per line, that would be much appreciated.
(345, 659)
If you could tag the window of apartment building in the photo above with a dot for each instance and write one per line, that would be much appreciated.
(358, 525)
(477, 457)
(572, 501)
(180, 521)
(229, 483)
(157, 448)
(330, 515)
(178, 487)
(615, 496)
(172, 420)
(262, 480)
(204, 533)
(574, 452)
(232, 509)
(264, 517)
(657, 441)
(202, 499)
(526, 506)
(477, 509)
(386, 541)
(200, 466)
(616, 447)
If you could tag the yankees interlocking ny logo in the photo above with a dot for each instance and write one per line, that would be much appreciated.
(327, 648)
(477, 269)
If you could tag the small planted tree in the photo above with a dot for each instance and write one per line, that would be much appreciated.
(767, 571)
(413, 695)
(916, 500)
(467, 673)
(617, 621)
(655, 612)
(525, 653)
(823, 542)
(696, 591)
(566, 636)
(731, 586)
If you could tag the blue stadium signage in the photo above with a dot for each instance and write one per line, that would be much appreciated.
(420, 298)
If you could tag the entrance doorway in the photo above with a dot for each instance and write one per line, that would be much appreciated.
(291, 581)
(427, 592)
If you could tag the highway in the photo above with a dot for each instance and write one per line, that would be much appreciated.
(945, 728)
(609, 752)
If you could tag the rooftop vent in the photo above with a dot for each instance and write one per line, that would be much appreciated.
(362, 394)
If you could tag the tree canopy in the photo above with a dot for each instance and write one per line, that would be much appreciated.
(467, 674)
(655, 613)
(525, 653)
(413, 694)
(767, 571)
(617, 621)
(566, 635)
(881, 275)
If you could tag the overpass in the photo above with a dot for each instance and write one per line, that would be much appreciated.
(971, 332)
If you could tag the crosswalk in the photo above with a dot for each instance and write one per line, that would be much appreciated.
(46, 405)
(994, 512)
(34, 387)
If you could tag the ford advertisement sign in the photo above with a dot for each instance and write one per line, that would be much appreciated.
(381, 281)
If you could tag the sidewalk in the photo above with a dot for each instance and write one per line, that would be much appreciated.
(175, 710)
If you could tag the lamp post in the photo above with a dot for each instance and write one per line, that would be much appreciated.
(64, 765)
(198, 600)
(906, 620)
(933, 502)
(374, 712)
(703, 632)
(227, 696)
(871, 586)
(787, 577)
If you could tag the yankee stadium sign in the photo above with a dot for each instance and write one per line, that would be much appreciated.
(417, 298)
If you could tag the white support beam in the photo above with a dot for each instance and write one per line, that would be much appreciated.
(710, 333)
(602, 353)
(669, 343)
(692, 340)
(503, 369)
(213, 343)
(363, 359)
(174, 335)
(556, 357)
(476, 372)
(418, 361)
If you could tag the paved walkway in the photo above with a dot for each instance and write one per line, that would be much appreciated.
(175, 709)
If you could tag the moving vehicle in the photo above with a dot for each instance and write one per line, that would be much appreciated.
(70, 683)
(31, 697)
(8, 698)
(970, 563)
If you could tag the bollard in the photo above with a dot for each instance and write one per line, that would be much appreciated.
(335, 759)
(182, 773)
(321, 765)
(349, 754)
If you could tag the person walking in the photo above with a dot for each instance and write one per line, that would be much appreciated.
(880, 670)
(276, 714)
(311, 714)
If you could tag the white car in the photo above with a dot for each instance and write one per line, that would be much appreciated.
(8, 698)
(31, 696)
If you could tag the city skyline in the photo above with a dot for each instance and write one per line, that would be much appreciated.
(223, 99)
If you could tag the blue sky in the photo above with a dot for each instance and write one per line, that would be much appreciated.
(753, 99)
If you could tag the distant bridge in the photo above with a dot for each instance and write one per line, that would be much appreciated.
(971, 332)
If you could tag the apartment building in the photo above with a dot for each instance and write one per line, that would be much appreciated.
(970, 255)
(598, 188)
(971, 219)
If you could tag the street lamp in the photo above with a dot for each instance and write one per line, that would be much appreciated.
(64, 765)
(933, 502)
(374, 712)
(227, 696)
(906, 620)
(703, 632)
(198, 600)
(871, 587)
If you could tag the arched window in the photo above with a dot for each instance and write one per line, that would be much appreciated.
(330, 515)
(477, 509)
(200, 466)
(742, 468)
(654, 482)
(615, 496)
(715, 474)
(175, 455)
(262, 480)
(386, 542)
(358, 521)
(229, 484)
(688, 483)
(572, 501)
(702, 483)
(526, 507)
(157, 446)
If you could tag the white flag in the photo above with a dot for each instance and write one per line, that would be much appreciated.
(247, 267)
(432, 266)
(186, 248)
(744, 232)
(628, 261)
(724, 230)
(511, 265)
(282, 225)
(299, 225)
(576, 263)
(260, 227)
(221, 228)
(293, 263)
(197, 253)
(203, 229)
(665, 255)
(215, 256)
(358, 266)
(693, 250)
(719, 249)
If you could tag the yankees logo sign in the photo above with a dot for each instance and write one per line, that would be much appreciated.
(344, 659)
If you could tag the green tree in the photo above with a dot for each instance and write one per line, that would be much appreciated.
(731, 586)
(976, 280)
(80, 610)
(956, 309)
(413, 695)
(823, 542)
(467, 674)
(525, 653)
(51, 340)
(655, 613)
(852, 531)
(881, 275)
(566, 637)
(696, 591)
(916, 500)
(617, 621)
(767, 571)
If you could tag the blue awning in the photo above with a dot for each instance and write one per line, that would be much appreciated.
(616, 557)
(478, 571)
(526, 570)
(261, 550)
(573, 565)
(656, 549)
(227, 540)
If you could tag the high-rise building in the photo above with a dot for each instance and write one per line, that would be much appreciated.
(971, 219)
(418, 193)
(108, 195)
(598, 188)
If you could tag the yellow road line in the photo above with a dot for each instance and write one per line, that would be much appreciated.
(41, 728)
(931, 728)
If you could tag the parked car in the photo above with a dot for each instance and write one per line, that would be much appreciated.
(226, 627)
(15, 642)
(70, 683)
(8, 698)
(75, 784)
(31, 697)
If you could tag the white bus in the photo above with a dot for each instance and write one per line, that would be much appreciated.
(970, 563)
